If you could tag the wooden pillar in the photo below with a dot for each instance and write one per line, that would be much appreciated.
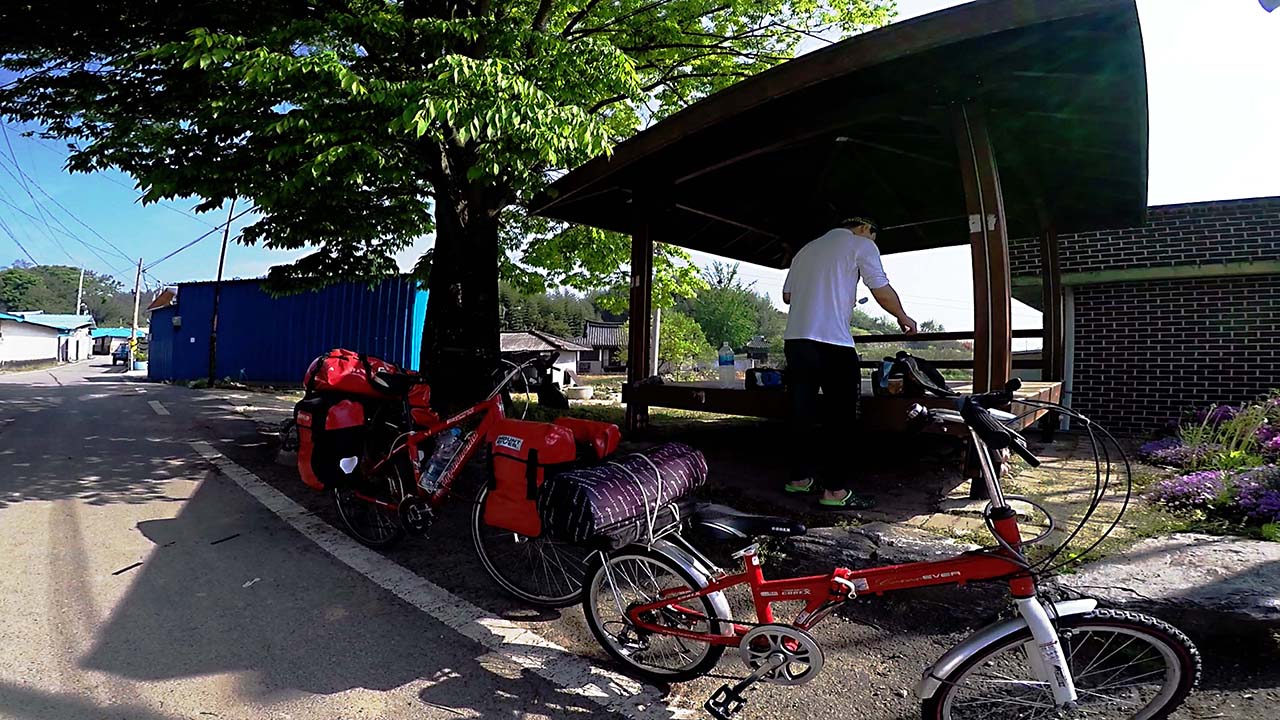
(989, 241)
(1054, 324)
(640, 331)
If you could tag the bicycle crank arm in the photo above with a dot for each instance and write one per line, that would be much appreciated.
(728, 701)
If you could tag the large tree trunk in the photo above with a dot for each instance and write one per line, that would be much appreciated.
(460, 340)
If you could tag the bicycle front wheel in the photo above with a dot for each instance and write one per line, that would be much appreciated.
(1125, 665)
(538, 570)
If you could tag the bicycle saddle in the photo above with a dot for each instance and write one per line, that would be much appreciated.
(395, 383)
(726, 523)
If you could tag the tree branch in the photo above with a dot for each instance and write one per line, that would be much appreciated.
(541, 15)
(578, 17)
(623, 18)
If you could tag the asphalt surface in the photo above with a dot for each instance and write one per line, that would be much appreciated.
(233, 613)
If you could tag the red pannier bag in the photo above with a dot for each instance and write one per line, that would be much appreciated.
(521, 453)
(329, 429)
(600, 438)
(350, 373)
(420, 406)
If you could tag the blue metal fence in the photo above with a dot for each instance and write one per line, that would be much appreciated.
(272, 339)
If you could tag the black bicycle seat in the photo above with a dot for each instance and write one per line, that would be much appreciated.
(395, 383)
(726, 523)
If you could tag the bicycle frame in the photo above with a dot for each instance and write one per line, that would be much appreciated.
(491, 410)
(822, 594)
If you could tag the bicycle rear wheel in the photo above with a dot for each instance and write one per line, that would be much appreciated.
(1125, 665)
(539, 571)
(373, 525)
(639, 576)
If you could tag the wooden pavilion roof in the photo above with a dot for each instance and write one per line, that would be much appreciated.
(863, 127)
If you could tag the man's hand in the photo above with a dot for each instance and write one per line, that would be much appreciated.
(907, 324)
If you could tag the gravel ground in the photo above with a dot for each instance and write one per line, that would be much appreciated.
(875, 649)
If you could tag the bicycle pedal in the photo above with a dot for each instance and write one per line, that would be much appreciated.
(416, 516)
(725, 703)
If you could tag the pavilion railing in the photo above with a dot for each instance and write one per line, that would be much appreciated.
(1018, 363)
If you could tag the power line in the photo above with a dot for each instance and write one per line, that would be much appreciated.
(73, 216)
(90, 247)
(202, 237)
(39, 208)
(17, 242)
(126, 186)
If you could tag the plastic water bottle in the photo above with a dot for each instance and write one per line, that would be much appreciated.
(728, 378)
(446, 448)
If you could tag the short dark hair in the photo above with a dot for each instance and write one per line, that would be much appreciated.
(859, 220)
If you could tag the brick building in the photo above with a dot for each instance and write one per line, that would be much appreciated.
(1182, 311)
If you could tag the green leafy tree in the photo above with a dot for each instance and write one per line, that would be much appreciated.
(681, 342)
(52, 289)
(356, 126)
(726, 309)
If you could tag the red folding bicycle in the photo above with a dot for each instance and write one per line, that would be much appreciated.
(385, 500)
(660, 610)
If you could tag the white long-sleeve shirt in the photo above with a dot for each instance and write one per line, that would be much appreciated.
(823, 284)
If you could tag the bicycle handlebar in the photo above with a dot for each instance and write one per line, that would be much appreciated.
(975, 411)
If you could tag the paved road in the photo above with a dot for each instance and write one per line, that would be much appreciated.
(235, 613)
(231, 613)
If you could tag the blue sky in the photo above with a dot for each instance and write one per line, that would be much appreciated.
(1213, 107)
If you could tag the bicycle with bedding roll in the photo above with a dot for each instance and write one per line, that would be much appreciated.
(384, 488)
(659, 608)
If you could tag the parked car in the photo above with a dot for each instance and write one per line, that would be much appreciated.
(120, 354)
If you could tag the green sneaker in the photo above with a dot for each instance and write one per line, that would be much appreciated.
(800, 486)
(850, 501)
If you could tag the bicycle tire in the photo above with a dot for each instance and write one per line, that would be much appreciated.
(518, 581)
(395, 493)
(1171, 645)
(597, 580)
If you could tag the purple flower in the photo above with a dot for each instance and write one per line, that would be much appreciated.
(1267, 475)
(1197, 490)
(1258, 502)
(1216, 414)
(1266, 433)
(1150, 449)
(1171, 452)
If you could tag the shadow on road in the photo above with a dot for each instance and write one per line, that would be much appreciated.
(238, 591)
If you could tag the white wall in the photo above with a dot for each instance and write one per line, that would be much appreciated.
(25, 341)
(567, 362)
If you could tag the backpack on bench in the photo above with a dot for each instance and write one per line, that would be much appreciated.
(919, 377)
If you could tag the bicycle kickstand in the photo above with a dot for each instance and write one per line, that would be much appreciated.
(728, 701)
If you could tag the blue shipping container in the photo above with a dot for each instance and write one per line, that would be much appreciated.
(272, 339)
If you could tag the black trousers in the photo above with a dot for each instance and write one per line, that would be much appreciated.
(822, 427)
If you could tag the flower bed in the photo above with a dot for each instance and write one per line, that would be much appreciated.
(1226, 461)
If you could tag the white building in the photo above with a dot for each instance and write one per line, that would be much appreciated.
(32, 337)
(520, 346)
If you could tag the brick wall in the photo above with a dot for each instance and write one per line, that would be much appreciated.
(1146, 351)
(1198, 233)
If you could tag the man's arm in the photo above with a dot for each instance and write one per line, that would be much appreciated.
(887, 297)
(872, 271)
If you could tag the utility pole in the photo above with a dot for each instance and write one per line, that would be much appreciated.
(137, 299)
(80, 293)
(217, 294)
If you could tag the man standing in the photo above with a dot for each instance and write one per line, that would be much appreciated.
(821, 288)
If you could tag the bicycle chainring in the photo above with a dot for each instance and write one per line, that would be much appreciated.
(802, 658)
(416, 515)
